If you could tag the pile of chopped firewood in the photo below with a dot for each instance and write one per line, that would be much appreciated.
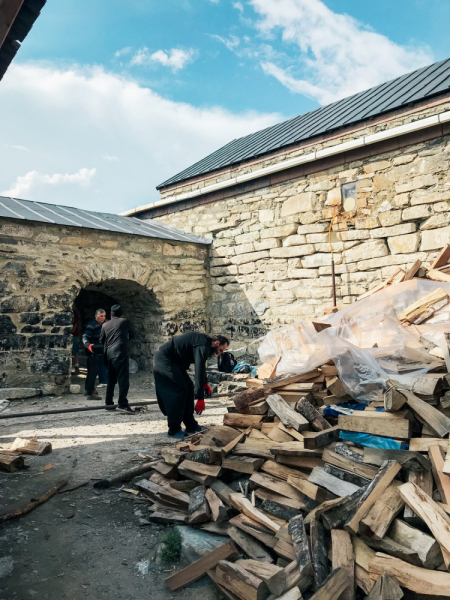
(11, 459)
(324, 496)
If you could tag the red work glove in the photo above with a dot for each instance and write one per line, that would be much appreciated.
(199, 406)
(90, 347)
(208, 391)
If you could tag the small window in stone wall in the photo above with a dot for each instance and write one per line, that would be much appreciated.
(349, 196)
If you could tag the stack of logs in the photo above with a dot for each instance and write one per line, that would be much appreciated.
(308, 513)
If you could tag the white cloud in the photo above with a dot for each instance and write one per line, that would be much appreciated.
(26, 185)
(231, 43)
(74, 114)
(238, 6)
(109, 157)
(123, 51)
(175, 58)
(17, 147)
(339, 56)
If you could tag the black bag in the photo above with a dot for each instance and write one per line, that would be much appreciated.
(226, 362)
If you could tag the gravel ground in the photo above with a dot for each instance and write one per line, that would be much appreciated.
(86, 544)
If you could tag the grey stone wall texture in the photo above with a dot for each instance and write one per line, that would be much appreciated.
(270, 256)
(163, 287)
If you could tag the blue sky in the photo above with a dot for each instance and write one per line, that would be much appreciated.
(107, 99)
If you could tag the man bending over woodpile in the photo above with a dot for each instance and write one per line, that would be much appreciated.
(175, 391)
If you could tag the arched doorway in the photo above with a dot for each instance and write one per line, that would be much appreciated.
(139, 304)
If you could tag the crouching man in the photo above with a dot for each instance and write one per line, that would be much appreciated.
(175, 391)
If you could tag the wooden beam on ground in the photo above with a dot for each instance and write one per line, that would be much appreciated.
(200, 567)
(342, 558)
(416, 579)
(429, 511)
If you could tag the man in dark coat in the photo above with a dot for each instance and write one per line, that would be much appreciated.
(94, 353)
(114, 336)
(175, 391)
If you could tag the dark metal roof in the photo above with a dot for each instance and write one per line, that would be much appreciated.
(76, 217)
(400, 92)
(16, 19)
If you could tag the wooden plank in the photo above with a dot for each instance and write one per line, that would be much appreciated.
(199, 511)
(371, 494)
(199, 568)
(410, 461)
(423, 444)
(342, 558)
(274, 577)
(244, 421)
(202, 469)
(259, 408)
(199, 478)
(243, 399)
(334, 485)
(230, 446)
(442, 480)
(294, 449)
(329, 370)
(313, 416)
(256, 530)
(343, 472)
(255, 447)
(437, 520)
(287, 416)
(242, 464)
(276, 485)
(388, 546)
(315, 440)
(379, 518)
(169, 471)
(438, 422)
(223, 592)
(336, 516)
(249, 545)
(343, 462)
(426, 547)
(304, 503)
(278, 510)
(393, 399)
(308, 488)
(335, 387)
(282, 380)
(240, 582)
(277, 435)
(219, 435)
(218, 510)
(412, 271)
(385, 588)
(424, 480)
(442, 258)
(302, 462)
(416, 579)
(241, 503)
(300, 543)
(281, 471)
(393, 425)
(420, 311)
(319, 556)
(333, 587)
(222, 490)
(176, 497)
(292, 432)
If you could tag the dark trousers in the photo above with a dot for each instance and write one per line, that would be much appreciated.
(94, 362)
(175, 393)
(118, 372)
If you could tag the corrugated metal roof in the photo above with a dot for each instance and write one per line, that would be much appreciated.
(400, 92)
(54, 214)
(23, 22)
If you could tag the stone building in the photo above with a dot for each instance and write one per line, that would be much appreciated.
(267, 200)
(53, 258)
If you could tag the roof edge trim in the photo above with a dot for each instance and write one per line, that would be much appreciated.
(298, 160)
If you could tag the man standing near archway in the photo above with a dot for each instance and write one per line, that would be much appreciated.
(175, 391)
(94, 351)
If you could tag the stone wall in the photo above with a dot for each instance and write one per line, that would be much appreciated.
(163, 287)
(270, 258)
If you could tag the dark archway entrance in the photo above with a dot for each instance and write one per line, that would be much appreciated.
(139, 304)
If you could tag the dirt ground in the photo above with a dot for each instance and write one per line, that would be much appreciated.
(86, 544)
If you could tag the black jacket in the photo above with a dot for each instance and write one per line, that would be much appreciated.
(187, 349)
(114, 336)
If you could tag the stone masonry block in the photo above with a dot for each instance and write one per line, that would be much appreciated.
(266, 216)
(320, 260)
(247, 237)
(415, 183)
(281, 231)
(300, 203)
(353, 235)
(402, 229)
(440, 220)
(367, 223)
(294, 240)
(429, 196)
(303, 273)
(244, 248)
(250, 257)
(313, 228)
(390, 217)
(292, 251)
(267, 244)
(421, 211)
(403, 244)
(435, 239)
(372, 249)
